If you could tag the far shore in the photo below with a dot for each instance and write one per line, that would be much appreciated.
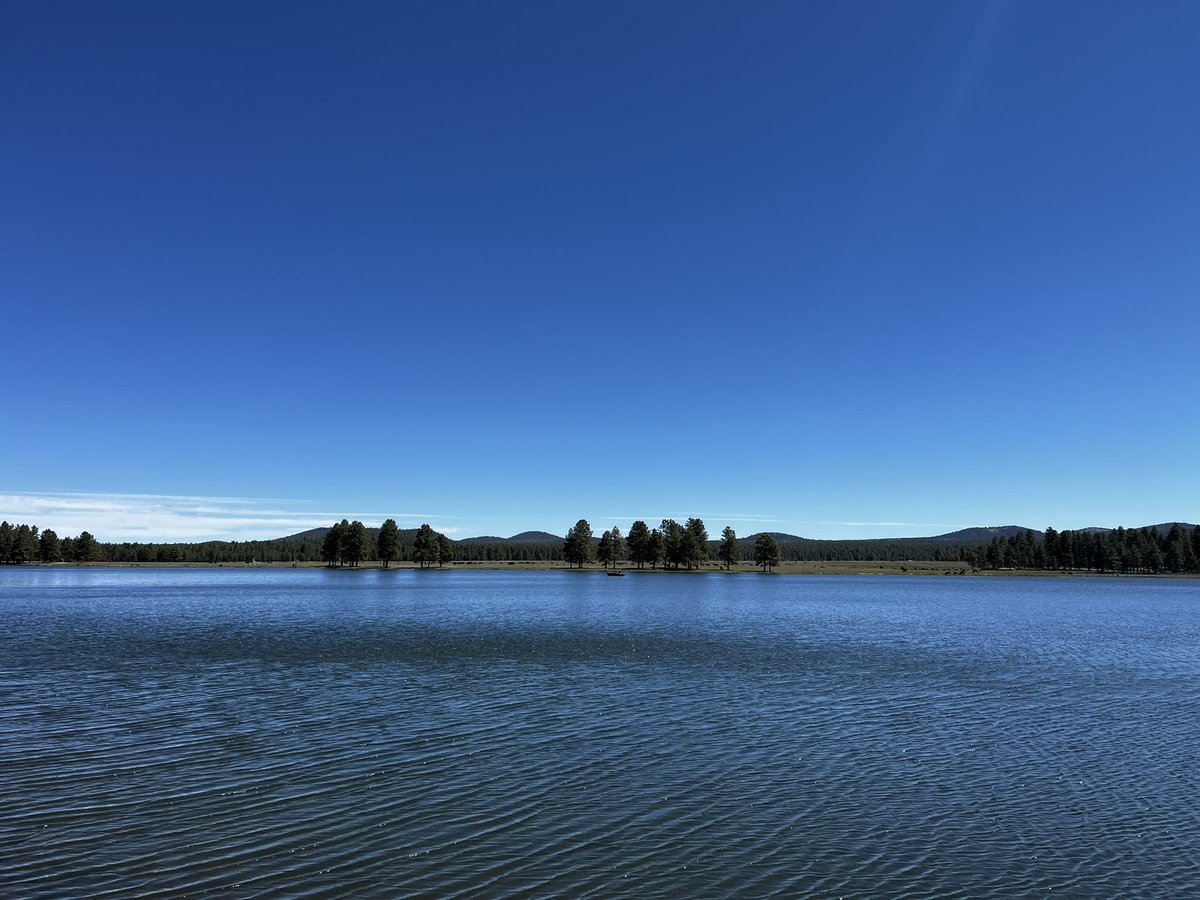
(883, 567)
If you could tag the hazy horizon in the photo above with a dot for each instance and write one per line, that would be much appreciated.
(113, 518)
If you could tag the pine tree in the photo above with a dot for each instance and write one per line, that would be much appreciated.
(695, 543)
(729, 551)
(7, 533)
(611, 547)
(387, 546)
(445, 550)
(618, 545)
(604, 550)
(49, 548)
(766, 552)
(674, 551)
(656, 548)
(86, 548)
(331, 546)
(578, 549)
(425, 546)
(639, 543)
(356, 543)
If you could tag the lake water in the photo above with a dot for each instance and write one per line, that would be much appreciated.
(473, 733)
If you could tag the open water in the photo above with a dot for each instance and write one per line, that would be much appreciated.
(478, 734)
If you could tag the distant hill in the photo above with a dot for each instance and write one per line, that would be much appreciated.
(965, 537)
(978, 535)
(525, 537)
(313, 534)
(318, 534)
(542, 545)
(1161, 528)
(534, 537)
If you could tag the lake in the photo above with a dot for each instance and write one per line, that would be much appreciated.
(480, 733)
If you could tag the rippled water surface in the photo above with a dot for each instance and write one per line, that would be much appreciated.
(257, 732)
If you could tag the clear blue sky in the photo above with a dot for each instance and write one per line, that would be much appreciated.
(836, 269)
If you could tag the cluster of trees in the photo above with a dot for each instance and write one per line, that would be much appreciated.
(216, 552)
(26, 544)
(798, 549)
(349, 543)
(1126, 550)
(21, 544)
(671, 545)
(500, 550)
(792, 549)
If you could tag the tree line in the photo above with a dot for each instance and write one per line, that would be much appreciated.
(1126, 550)
(344, 544)
(349, 543)
(671, 545)
(26, 544)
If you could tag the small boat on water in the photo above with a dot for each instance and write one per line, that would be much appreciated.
(614, 573)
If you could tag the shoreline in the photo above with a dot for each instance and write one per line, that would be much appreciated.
(866, 567)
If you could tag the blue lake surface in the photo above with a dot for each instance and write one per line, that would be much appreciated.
(474, 733)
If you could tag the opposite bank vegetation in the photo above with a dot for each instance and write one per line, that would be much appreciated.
(1173, 548)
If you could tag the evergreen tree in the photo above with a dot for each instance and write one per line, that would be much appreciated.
(331, 546)
(611, 547)
(1191, 562)
(578, 549)
(1052, 548)
(604, 550)
(656, 548)
(1177, 548)
(49, 547)
(766, 552)
(7, 533)
(445, 550)
(695, 543)
(639, 543)
(387, 546)
(1149, 553)
(729, 551)
(618, 545)
(24, 544)
(86, 548)
(356, 543)
(425, 547)
(674, 549)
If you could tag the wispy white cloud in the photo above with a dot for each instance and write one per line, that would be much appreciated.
(166, 517)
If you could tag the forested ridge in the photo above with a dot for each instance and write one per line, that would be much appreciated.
(1171, 547)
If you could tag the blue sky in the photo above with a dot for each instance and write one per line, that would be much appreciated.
(836, 269)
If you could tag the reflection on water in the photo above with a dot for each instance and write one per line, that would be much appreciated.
(390, 733)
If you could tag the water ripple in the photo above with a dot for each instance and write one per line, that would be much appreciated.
(665, 738)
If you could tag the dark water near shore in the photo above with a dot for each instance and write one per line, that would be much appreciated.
(175, 732)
